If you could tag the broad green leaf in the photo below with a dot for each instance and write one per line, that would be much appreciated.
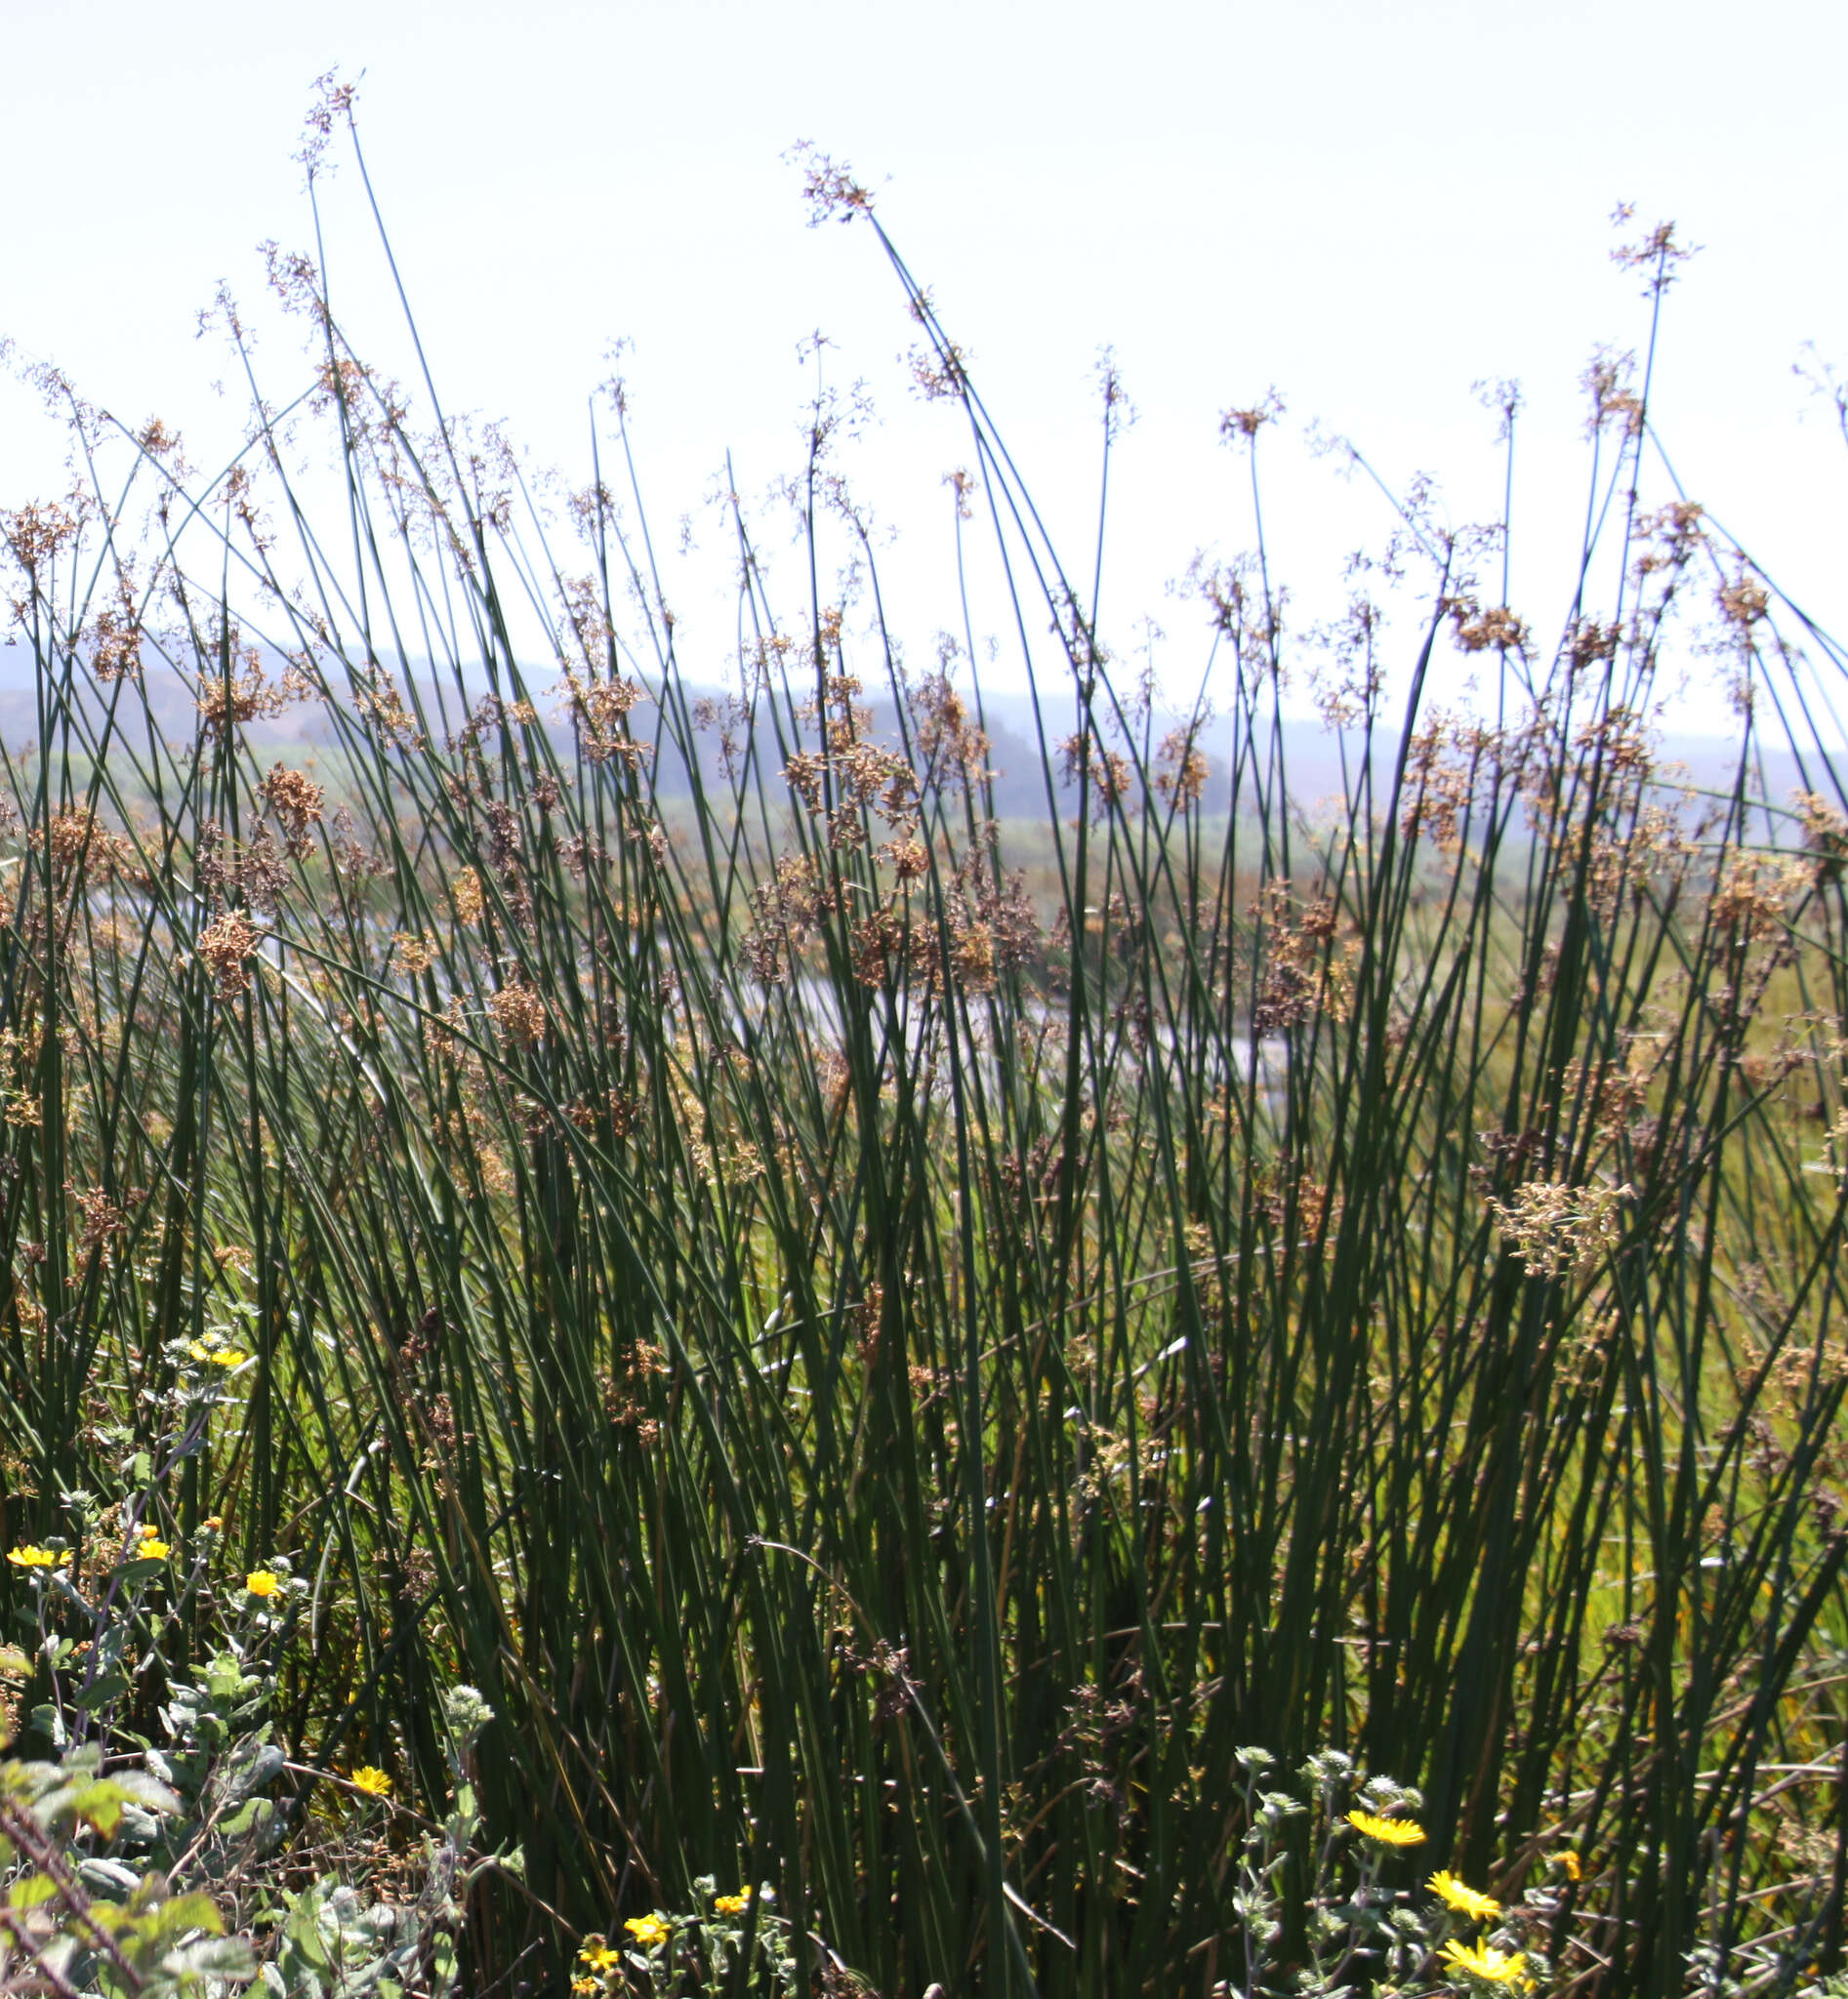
(247, 1818)
(107, 1687)
(194, 1911)
(31, 1891)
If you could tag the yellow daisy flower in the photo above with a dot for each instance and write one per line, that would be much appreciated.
(732, 1905)
(600, 1957)
(229, 1356)
(31, 1555)
(371, 1779)
(1568, 1859)
(647, 1931)
(152, 1549)
(1387, 1832)
(262, 1583)
(1466, 1902)
(1485, 1964)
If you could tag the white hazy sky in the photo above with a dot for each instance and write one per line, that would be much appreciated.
(1368, 206)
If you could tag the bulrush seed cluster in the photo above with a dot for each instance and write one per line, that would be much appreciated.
(226, 946)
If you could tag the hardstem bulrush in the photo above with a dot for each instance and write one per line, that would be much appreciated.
(893, 1276)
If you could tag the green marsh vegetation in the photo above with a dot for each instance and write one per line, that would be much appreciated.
(889, 1375)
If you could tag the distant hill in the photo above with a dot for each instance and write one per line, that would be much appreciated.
(1312, 755)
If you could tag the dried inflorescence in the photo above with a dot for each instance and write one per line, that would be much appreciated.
(1617, 744)
(729, 718)
(1242, 425)
(785, 912)
(1744, 602)
(847, 782)
(1555, 1229)
(828, 185)
(295, 800)
(226, 946)
(872, 942)
(36, 535)
(1300, 973)
(81, 848)
(1606, 1093)
(351, 855)
(1607, 381)
(378, 699)
(1284, 1192)
(1588, 641)
(1182, 768)
(852, 778)
(412, 954)
(1443, 784)
(1825, 834)
(940, 369)
(467, 895)
(972, 954)
(600, 709)
(226, 870)
(1670, 538)
(518, 1014)
(1477, 627)
(116, 636)
(1083, 759)
(1658, 251)
(239, 690)
(1752, 895)
(988, 928)
(333, 103)
(102, 1219)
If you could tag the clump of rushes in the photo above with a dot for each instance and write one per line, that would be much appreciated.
(885, 1345)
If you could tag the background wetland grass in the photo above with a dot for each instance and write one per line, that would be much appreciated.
(887, 1371)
